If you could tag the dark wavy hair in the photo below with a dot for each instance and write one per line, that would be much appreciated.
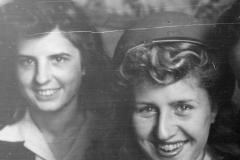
(164, 64)
(26, 19)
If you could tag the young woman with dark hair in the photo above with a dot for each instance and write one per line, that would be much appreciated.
(58, 70)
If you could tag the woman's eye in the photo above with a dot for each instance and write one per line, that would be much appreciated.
(59, 59)
(26, 61)
(183, 109)
(147, 112)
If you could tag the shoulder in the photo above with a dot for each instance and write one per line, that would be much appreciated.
(15, 151)
(11, 144)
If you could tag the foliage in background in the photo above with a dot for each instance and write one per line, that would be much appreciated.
(118, 13)
(111, 17)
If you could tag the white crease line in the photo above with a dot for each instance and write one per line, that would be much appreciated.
(134, 29)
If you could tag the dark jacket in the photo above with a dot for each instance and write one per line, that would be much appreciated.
(15, 151)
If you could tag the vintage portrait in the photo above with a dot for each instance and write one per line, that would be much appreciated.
(119, 79)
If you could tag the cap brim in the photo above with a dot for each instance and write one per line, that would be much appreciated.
(171, 39)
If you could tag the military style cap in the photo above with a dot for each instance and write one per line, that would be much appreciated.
(163, 27)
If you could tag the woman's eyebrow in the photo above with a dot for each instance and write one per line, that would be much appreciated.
(183, 101)
(60, 54)
(145, 104)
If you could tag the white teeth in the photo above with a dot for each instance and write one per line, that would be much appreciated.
(171, 147)
(48, 92)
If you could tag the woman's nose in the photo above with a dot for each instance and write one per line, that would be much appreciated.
(42, 74)
(165, 127)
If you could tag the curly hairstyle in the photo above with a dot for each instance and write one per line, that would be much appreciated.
(164, 64)
(27, 19)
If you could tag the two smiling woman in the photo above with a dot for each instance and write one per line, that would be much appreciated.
(59, 67)
(172, 90)
(172, 93)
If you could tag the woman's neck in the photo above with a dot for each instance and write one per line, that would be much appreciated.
(60, 129)
(54, 125)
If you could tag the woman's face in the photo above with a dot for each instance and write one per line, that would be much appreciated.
(49, 71)
(173, 121)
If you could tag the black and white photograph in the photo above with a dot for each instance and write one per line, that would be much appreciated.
(119, 79)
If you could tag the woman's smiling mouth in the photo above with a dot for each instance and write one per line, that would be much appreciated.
(170, 149)
(46, 94)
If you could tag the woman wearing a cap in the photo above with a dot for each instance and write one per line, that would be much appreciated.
(59, 68)
(171, 93)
